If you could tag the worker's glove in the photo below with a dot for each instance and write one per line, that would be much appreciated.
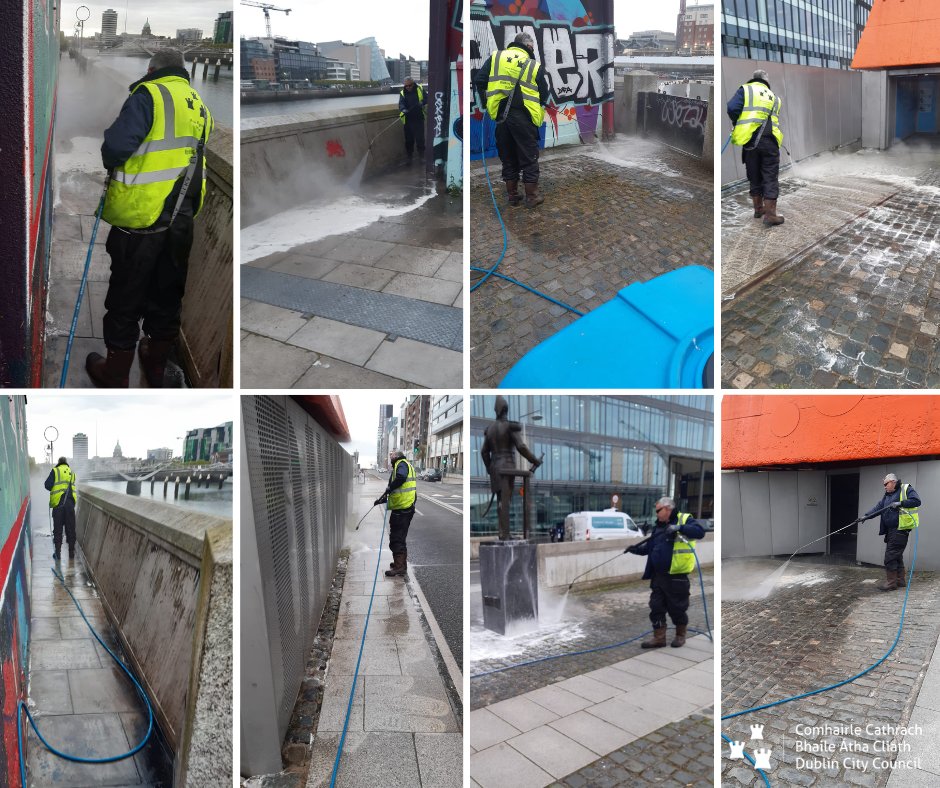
(631, 549)
(672, 530)
(382, 499)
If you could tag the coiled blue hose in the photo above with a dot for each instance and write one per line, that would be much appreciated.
(21, 707)
(352, 692)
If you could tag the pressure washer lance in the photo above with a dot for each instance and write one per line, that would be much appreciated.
(644, 541)
(366, 515)
(857, 521)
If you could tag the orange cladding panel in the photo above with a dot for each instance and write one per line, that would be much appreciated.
(900, 33)
(759, 431)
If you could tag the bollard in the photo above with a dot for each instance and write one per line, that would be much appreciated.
(205, 70)
(166, 482)
(221, 480)
(193, 74)
(133, 487)
(215, 74)
(189, 480)
(176, 489)
(153, 480)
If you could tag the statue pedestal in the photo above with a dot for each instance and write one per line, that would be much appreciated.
(509, 582)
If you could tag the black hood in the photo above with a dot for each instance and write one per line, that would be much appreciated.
(169, 71)
(524, 48)
(762, 81)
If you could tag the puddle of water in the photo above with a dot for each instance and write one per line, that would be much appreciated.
(487, 645)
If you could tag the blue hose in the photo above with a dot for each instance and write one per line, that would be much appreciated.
(352, 692)
(753, 762)
(488, 272)
(726, 144)
(21, 708)
(81, 287)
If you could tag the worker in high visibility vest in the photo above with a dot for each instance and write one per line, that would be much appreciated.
(755, 112)
(400, 495)
(155, 152)
(668, 563)
(62, 497)
(413, 112)
(512, 86)
(900, 517)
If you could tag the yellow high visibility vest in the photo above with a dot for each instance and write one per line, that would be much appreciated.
(424, 107)
(760, 103)
(63, 477)
(506, 67)
(908, 519)
(140, 186)
(683, 557)
(405, 496)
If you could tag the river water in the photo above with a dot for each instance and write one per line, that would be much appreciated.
(211, 500)
(317, 105)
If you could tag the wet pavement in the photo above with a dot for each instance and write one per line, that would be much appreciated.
(823, 624)
(846, 294)
(82, 702)
(614, 214)
(376, 307)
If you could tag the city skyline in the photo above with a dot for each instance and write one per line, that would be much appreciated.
(633, 17)
(130, 419)
(165, 18)
(362, 413)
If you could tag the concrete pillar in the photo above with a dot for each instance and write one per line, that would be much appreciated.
(176, 489)
(215, 73)
(205, 70)
(192, 74)
(876, 110)
(189, 481)
(626, 89)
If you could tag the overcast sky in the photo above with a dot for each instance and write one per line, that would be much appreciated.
(398, 27)
(362, 416)
(139, 422)
(631, 16)
(166, 16)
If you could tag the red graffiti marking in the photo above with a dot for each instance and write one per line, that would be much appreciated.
(334, 148)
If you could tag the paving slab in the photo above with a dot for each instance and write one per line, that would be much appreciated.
(303, 265)
(522, 713)
(414, 260)
(369, 759)
(407, 703)
(365, 276)
(266, 363)
(490, 768)
(342, 341)
(271, 321)
(557, 700)
(486, 729)
(49, 690)
(331, 374)
(438, 754)
(422, 364)
(552, 751)
(424, 288)
(592, 732)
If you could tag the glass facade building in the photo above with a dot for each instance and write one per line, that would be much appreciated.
(635, 447)
(807, 32)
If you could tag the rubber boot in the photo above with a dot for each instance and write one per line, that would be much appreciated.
(657, 641)
(758, 201)
(56, 550)
(532, 196)
(890, 582)
(512, 189)
(153, 354)
(771, 218)
(679, 640)
(398, 566)
(111, 372)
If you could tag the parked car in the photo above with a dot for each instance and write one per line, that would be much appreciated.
(433, 475)
(594, 526)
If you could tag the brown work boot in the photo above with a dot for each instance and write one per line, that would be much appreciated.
(512, 189)
(657, 641)
(153, 354)
(111, 372)
(890, 582)
(771, 218)
(398, 566)
(758, 201)
(532, 196)
(405, 554)
(679, 640)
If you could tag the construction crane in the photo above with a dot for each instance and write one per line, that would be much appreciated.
(266, 7)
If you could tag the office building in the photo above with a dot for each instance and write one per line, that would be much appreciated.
(209, 444)
(821, 33)
(381, 445)
(223, 29)
(415, 412)
(163, 454)
(189, 34)
(695, 31)
(445, 433)
(637, 448)
(80, 446)
(109, 20)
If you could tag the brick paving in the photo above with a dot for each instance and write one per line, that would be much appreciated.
(860, 309)
(613, 215)
(812, 632)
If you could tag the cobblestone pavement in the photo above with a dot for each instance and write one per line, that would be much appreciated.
(821, 625)
(860, 309)
(591, 618)
(613, 214)
(653, 760)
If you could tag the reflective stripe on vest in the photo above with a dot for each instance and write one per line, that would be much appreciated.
(683, 557)
(139, 187)
(424, 107)
(405, 496)
(506, 66)
(63, 477)
(908, 519)
(760, 103)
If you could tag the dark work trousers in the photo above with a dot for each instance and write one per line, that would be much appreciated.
(148, 279)
(63, 515)
(670, 594)
(763, 166)
(517, 141)
(414, 132)
(895, 542)
(398, 522)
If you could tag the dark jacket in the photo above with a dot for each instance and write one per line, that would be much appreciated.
(736, 107)
(409, 103)
(396, 480)
(889, 519)
(658, 550)
(66, 500)
(482, 77)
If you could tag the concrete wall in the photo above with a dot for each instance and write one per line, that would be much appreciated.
(875, 101)
(294, 504)
(290, 159)
(164, 576)
(627, 89)
(821, 109)
(560, 563)
(206, 334)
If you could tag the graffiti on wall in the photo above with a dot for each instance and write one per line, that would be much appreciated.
(574, 43)
(675, 120)
(446, 90)
(14, 578)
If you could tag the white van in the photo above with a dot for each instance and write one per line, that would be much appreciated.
(594, 526)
